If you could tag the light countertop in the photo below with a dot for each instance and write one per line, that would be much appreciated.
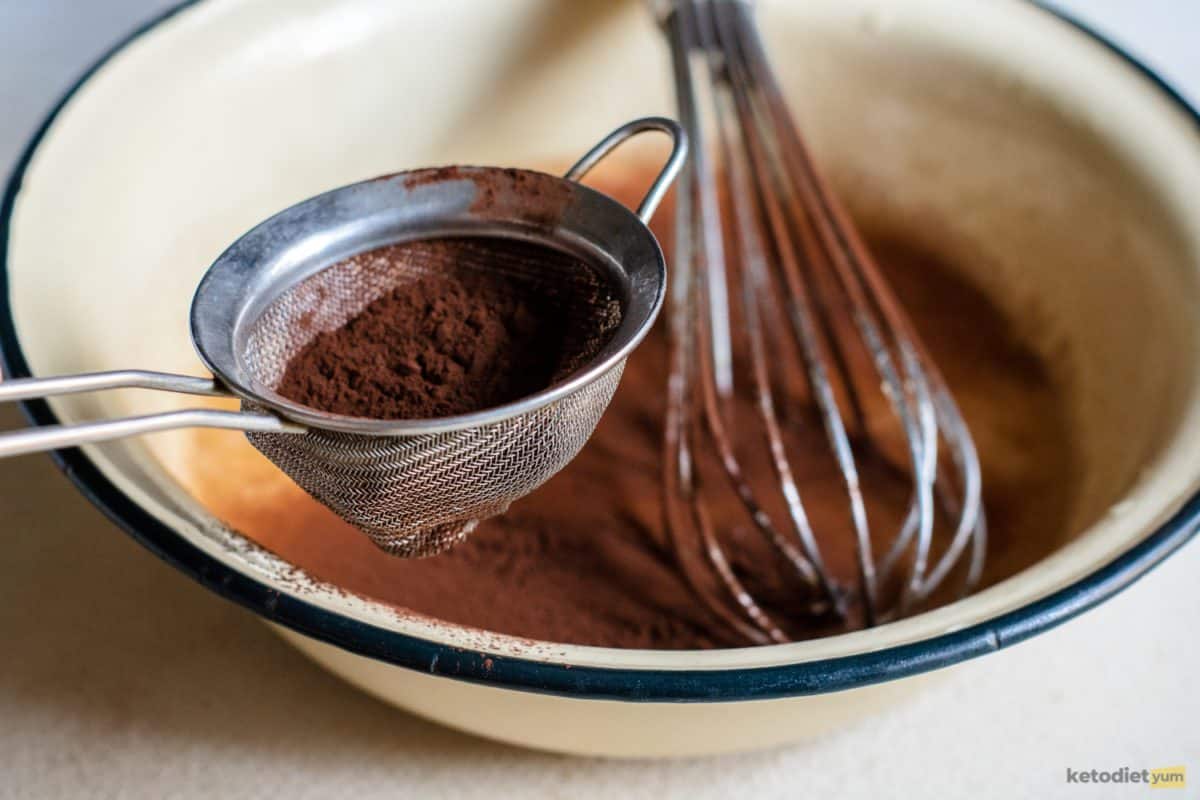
(119, 677)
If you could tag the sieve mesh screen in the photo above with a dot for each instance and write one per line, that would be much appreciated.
(417, 495)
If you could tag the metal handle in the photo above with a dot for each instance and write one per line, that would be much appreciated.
(33, 388)
(53, 437)
(627, 131)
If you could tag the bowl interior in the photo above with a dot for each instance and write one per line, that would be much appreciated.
(1064, 194)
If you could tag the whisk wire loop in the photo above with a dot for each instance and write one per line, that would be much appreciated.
(791, 255)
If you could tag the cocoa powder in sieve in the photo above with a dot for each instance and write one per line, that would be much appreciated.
(452, 338)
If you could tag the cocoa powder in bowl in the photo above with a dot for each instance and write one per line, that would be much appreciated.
(474, 323)
(586, 559)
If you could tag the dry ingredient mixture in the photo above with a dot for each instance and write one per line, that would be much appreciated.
(452, 340)
(585, 559)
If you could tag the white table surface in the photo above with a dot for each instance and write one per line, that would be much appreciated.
(119, 677)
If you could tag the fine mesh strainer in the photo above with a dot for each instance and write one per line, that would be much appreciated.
(414, 486)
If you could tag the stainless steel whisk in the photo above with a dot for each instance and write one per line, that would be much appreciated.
(791, 257)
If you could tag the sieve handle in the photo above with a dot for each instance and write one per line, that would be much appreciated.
(34, 388)
(54, 437)
(679, 147)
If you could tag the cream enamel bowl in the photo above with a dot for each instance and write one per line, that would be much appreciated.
(1059, 175)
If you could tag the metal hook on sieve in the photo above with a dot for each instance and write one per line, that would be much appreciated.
(666, 175)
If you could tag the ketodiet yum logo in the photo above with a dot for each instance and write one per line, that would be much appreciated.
(1160, 778)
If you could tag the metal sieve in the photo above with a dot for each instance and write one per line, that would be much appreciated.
(414, 486)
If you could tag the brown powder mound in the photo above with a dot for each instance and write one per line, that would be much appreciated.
(443, 343)
(585, 558)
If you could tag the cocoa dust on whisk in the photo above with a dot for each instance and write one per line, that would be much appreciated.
(472, 323)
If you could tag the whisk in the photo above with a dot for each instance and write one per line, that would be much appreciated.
(781, 285)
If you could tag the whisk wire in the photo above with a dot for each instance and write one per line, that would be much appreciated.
(698, 401)
(795, 247)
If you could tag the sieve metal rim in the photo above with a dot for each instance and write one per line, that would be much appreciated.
(221, 298)
(215, 316)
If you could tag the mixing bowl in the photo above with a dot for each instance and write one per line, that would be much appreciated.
(1055, 172)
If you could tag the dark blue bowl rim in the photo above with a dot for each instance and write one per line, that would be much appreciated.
(658, 685)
